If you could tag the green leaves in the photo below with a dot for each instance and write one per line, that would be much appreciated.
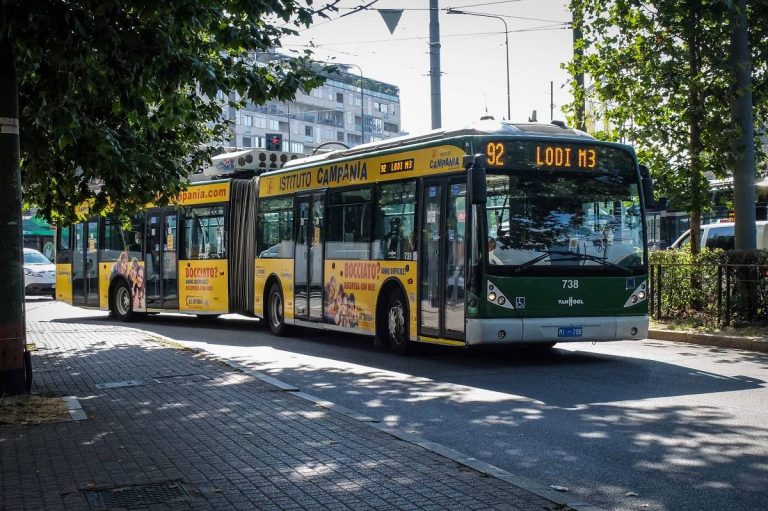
(120, 95)
(658, 74)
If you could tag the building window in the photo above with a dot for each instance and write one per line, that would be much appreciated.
(246, 141)
(247, 120)
(308, 131)
(273, 124)
(339, 97)
(391, 127)
(340, 136)
(349, 224)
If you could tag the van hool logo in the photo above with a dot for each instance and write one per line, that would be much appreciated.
(570, 301)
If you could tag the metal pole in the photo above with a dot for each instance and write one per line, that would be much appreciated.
(551, 101)
(506, 45)
(434, 63)
(578, 55)
(362, 102)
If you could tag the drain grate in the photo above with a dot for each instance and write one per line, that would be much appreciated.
(136, 496)
(181, 378)
(119, 384)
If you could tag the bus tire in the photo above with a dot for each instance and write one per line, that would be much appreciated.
(396, 323)
(122, 303)
(276, 311)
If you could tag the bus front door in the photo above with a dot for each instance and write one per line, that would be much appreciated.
(443, 259)
(308, 271)
(85, 270)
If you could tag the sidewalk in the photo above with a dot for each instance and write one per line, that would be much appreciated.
(759, 344)
(169, 428)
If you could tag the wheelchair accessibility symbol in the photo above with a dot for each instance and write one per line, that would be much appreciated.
(520, 302)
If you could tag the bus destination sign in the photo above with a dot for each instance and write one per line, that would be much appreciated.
(390, 167)
(555, 156)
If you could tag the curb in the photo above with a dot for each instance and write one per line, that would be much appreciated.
(453, 455)
(758, 344)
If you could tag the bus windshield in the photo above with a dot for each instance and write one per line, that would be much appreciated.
(564, 219)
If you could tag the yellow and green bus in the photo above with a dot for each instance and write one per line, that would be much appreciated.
(500, 233)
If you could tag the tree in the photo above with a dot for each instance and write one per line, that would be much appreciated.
(661, 74)
(122, 94)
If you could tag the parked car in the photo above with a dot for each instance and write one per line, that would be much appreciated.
(39, 274)
(721, 235)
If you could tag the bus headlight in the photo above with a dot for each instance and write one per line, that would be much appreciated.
(637, 296)
(496, 297)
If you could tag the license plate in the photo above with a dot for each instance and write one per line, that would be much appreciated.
(569, 331)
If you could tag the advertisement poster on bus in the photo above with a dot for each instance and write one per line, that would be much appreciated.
(203, 286)
(352, 287)
(133, 270)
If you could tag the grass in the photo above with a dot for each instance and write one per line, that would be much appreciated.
(28, 409)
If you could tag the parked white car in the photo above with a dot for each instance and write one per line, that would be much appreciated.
(39, 274)
(721, 235)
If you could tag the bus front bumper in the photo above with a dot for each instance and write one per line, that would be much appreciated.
(549, 330)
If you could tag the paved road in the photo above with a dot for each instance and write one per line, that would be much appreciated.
(644, 425)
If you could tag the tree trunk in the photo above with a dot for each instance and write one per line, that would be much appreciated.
(695, 116)
(744, 143)
(12, 335)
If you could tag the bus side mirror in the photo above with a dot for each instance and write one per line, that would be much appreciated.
(647, 183)
(475, 166)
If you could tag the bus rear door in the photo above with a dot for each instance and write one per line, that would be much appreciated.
(161, 261)
(85, 268)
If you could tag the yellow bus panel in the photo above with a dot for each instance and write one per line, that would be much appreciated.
(64, 283)
(410, 164)
(282, 269)
(204, 286)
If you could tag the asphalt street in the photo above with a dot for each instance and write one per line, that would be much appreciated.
(630, 425)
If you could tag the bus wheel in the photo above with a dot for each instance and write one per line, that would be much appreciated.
(396, 326)
(121, 302)
(276, 310)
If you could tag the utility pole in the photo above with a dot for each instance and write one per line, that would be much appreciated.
(434, 63)
(12, 335)
(551, 101)
(744, 143)
(578, 54)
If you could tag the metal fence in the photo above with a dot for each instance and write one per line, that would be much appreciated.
(716, 294)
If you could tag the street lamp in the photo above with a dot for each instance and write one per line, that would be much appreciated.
(362, 101)
(506, 44)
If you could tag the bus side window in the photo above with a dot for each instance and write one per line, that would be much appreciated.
(394, 218)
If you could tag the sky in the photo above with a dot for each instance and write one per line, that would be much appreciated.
(473, 56)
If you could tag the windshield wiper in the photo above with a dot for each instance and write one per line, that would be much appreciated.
(570, 256)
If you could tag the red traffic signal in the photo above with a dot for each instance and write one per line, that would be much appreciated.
(274, 142)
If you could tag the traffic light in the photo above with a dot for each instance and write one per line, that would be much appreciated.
(274, 142)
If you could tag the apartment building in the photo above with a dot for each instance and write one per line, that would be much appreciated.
(336, 112)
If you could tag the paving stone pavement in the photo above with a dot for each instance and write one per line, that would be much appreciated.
(169, 428)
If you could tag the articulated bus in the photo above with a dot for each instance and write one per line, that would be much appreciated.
(500, 233)
(496, 234)
(195, 256)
